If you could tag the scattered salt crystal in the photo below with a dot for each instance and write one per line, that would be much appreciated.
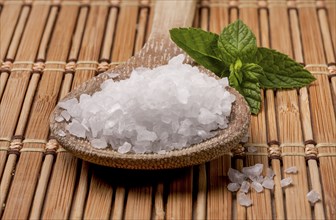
(235, 176)
(245, 186)
(257, 187)
(243, 199)
(270, 173)
(245, 138)
(286, 181)
(125, 148)
(268, 183)
(65, 115)
(313, 196)
(252, 149)
(59, 118)
(155, 110)
(99, 143)
(61, 133)
(291, 170)
(255, 170)
(258, 179)
(233, 187)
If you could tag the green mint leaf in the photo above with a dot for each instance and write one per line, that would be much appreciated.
(280, 71)
(201, 46)
(237, 41)
(248, 86)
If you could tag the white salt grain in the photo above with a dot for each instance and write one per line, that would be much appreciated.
(313, 196)
(255, 170)
(245, 186)
(257, 187)
(268, 183)
(99, 143)
(61, 133)
(252, 149)
(291, 170)
(233, 187)
(244, 200)
(235, 176)
(286, 181)
(126, 147)
(270, 173)
(59, 118)
(155, 110)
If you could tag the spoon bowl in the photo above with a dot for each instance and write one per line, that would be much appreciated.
(157, 51)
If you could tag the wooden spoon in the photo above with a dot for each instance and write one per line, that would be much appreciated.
(157, 51)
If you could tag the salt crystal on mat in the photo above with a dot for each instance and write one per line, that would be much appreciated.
(244, 200)
(253, 170)
(252, 149)
(59, 118)
(268, 183)
(258, 179)
(286, 181)
(233, 187)
(257, 187)
(313, 196)
(155, 110)
(235, 176)
(245, 186)
(270, 173)
(291, 170)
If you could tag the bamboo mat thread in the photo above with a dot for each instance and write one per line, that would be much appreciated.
(50, 47)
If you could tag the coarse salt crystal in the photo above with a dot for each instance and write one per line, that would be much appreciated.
(66, 115)
(270, 173)
(254, 170)
(61, 133)
(99, 143)
(59, 118)
(245, 186)
(257, 187)
(233, 187)
(313, 196)
(235, 176)
(126, 147)
(243, 199)
(286, 181)
(268, 183)
(252, 149)
(291, 170)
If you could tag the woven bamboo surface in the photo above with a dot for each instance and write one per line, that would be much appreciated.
(49, 47)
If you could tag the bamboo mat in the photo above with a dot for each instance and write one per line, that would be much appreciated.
(50, 47)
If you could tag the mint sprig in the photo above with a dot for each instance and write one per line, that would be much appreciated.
(234, 54)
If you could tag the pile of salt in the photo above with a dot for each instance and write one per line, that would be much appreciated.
(155, 110)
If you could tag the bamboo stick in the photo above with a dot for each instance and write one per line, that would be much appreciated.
(159, 211)
(38, 17)
(179, 203)
(331, 8)
(248, 12)
(89, 52)
(99, 199)
(322, 110)
(219, 199)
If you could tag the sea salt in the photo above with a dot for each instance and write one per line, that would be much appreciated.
(270, 173)
(286, 181)
(313, 196)
(235, 176)
(268, 183)
(254, 170)
(59, 118)
(233, 187)
(243, 199)
(291, 170)
(61, 133)
(126, 147)
(245, 187)
(257, 187)
(155, 110)
(252, 149)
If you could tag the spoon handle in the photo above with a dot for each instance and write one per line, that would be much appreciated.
(169, 14)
